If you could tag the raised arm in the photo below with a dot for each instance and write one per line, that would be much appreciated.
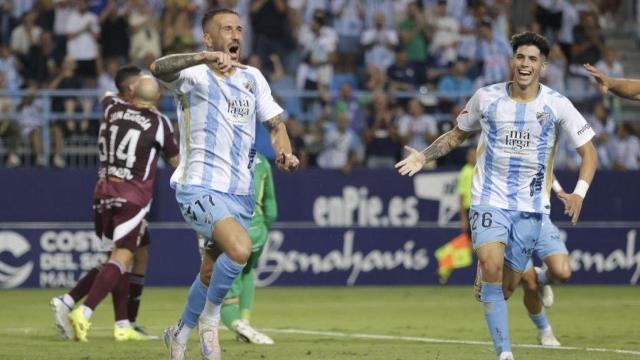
(285, 160)
(442, 146)
(573, 201)
(627, 88)
(168, 67)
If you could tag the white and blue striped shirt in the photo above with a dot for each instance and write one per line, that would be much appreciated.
(517, 145)
(217, 117)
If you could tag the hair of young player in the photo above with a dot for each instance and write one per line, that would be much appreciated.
(530, 38)
(209, 15)
(123, 74)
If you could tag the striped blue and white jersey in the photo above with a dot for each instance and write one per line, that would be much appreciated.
(217, 118)
(517, 145)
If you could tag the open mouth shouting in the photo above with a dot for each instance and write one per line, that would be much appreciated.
(524, 74)
(234, 51)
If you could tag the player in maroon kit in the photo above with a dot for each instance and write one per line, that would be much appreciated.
(131, 137)
(125, 80)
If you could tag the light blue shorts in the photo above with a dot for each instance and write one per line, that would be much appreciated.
(202, 207)
(549, 242)
(518, 230)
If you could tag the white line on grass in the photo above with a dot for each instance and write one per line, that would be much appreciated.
(338, 334)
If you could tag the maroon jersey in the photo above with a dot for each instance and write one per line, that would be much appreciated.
(129, 143)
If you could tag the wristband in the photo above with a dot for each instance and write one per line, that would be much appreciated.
(555, 185)
(581, 188)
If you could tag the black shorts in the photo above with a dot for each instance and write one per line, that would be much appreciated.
(86, 69)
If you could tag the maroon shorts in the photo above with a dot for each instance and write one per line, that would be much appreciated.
(120, 224)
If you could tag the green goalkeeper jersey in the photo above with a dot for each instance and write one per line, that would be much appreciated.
(266, 209)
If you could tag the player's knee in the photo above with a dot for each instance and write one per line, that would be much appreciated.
(529, 284)
(561, 275)
(240, 252)
(491, 270)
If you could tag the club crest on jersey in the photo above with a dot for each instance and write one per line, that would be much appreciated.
(250, 85)
(542, 117)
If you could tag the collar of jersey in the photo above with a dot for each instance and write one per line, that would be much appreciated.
(506, 89)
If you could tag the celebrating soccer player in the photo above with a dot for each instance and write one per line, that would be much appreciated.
(519, 123)
(219, 101)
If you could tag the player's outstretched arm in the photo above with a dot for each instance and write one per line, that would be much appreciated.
(285, 160)
(441, 147)
(168, 67)
(627, 88)
(573, 202)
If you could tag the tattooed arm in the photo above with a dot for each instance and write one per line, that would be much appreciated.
(168, 67)
(285, 160)
(441, 147)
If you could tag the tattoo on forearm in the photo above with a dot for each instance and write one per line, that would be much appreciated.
(273, 123)
(168, 66)
(444, 144)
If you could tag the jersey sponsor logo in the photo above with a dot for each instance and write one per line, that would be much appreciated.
(120, 172)
(131, 115)
(517, 140)
(16, 245)
(239, 109)
(584, 128)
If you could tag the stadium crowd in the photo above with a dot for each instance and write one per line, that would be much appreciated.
(359, 79)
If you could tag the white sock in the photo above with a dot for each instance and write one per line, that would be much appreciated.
(87, 311)
(123, 323)
(542, 278)
(211, 313)
(68, 300)
(182, 332)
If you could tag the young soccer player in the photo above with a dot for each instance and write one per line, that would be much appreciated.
(519, 122)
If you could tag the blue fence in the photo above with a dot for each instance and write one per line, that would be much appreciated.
(371, 227)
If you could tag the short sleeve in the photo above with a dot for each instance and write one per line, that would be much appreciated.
(187, 78)
(574, 124)
(469, 118)
(266, 107)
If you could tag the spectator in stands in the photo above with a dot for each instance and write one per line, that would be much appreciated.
(31, 123)
(555, 73)
(42, 64)
(9, 67)
(549, 14)
(45, 15)
(494, 52)
(106, 79)
(417, 128)
(114, 32)
(9, 129)
(374, 7)
(177, 30)
(340, 145)
(375, 78)
(379, 42)
(403, 75)
(64, 106)
(570, 12)
(145, 37)
(318, 46)
(588, 44)
(83, 30)
(604, 126)
(381, 139)
(414, 32)
(7, 21)
(347, 102)
(271, 29)
(24, 36)
(446, 35)
(456, 81)
(348, 23)
(61, 15)
(625, 148)
(609, 64)
(467, 50)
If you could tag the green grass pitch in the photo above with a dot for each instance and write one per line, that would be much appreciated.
(387, 323)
